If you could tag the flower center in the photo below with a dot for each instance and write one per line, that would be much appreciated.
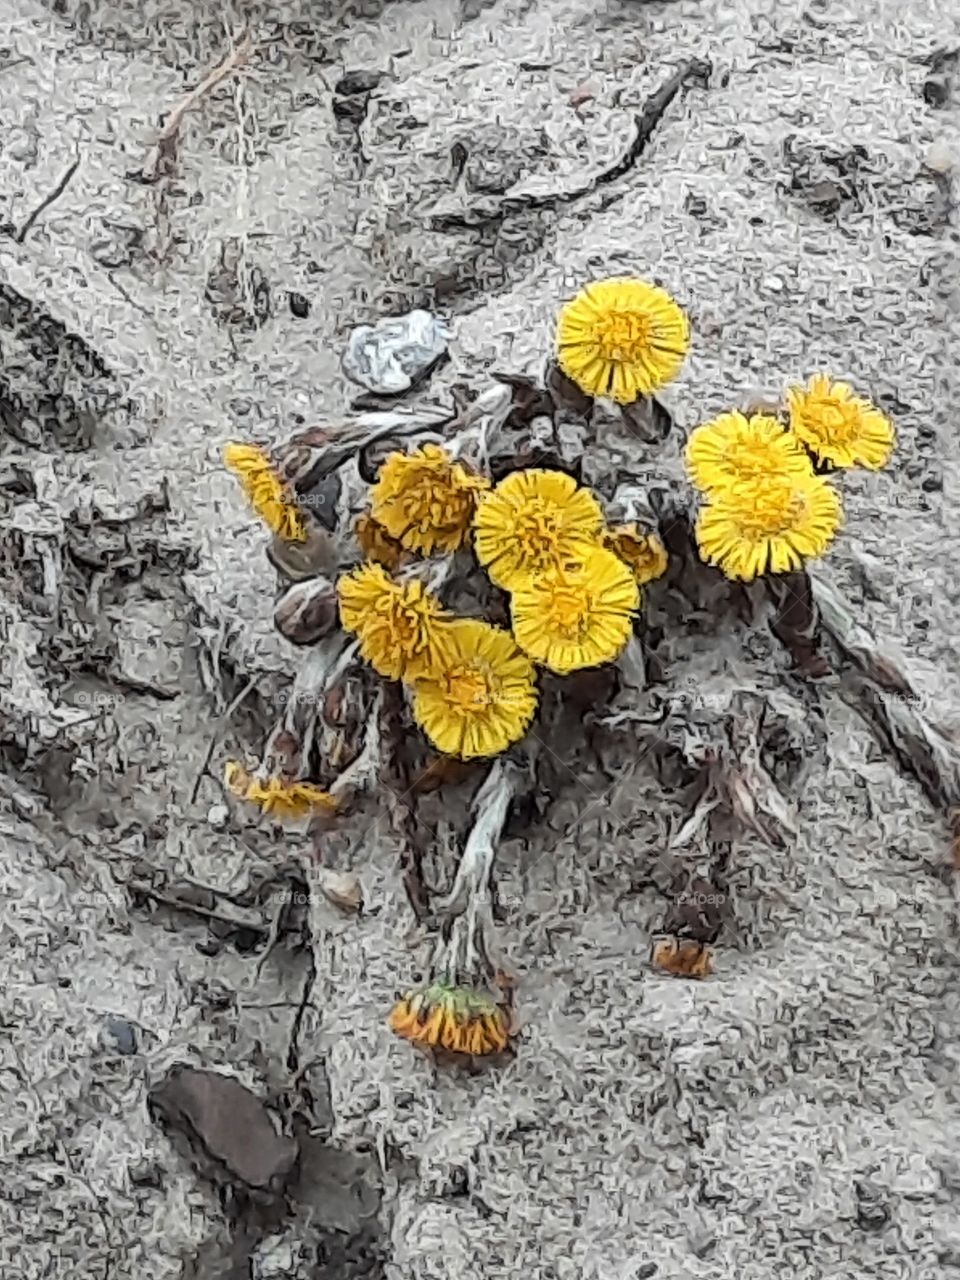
(468, 689)
(569, 609)
(623, 336)
(538, 529)
(773, 513)
(837, 422)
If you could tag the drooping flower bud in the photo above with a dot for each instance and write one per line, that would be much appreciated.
(307, 611)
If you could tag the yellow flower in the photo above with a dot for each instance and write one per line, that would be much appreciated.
(265, 491)
(839, 427)
(733, 447)
(399, 625)
(483, 697)
(768, 525)
(577, 617)
(376, 544)
(426, 500)
(532, 521)
(277, 797)
(644, 553)
(622, 338)
(459, 1019)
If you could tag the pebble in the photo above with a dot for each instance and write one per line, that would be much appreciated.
(391, 356)
(940, 157)
(217, 816)
(119, 1035)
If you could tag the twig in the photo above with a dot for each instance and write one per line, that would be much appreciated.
(47, 201)
(645, 123)
(166, 143)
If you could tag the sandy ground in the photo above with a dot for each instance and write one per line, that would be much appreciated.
(799, 1110)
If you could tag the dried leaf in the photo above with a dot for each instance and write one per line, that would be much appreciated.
(683, 957)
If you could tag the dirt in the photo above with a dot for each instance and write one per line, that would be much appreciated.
(795, 1110)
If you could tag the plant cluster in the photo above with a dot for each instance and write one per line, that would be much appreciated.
(568, 581)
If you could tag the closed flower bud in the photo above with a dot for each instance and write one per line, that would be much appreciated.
(307, 611)
(300, 561)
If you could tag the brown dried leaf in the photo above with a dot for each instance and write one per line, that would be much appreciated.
(683, 957)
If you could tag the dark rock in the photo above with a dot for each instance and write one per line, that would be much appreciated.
(119, 1035)
(873, 1212)
(299, 306)
(226, 1131)
(354, 82)
(353, 109)
(147, 1173)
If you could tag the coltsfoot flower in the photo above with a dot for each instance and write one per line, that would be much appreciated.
(263, 488)
(734, 447)
(399, 625)
(622, 338)
(483, 695)
(643, 553)
(425, 499)
(839, 427)
(277, 797)
(533, 521)
(459, 1019)
(577, 617)
(769, 524)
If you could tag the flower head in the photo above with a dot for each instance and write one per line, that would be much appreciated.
(426, 500)
(483, 695)
(622, 338)
(644, 553)
(376, 544)
(579, 616)
(265, 491)
(768, 524)
(733, 447)
(277, 797)
(532, 521)
(459, 1019)
(399, 624)
(839, 427)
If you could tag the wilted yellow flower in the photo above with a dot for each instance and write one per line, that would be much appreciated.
(459, 1019)
(265, 491)
(768, 525)
(483, 696)
(534, 520)
(622, 338)
(733, 447)
(399, 624)
(376, 544)
(644, 553)
(277, 797)
(577, 617)
(839, 427)
(426, 500)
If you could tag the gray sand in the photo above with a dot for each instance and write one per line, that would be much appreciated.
(796, 1113)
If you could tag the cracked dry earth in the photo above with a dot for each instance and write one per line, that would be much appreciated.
(797, 1111)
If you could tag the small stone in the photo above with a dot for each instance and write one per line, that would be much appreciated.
(940, 157)
(353, 109)
(353, 82)
(217, 816)
(146, 1173)
(342, 888)
(119, 1036)
(391, 356)
(299, 306)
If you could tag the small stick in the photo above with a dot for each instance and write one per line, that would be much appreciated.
(166, 143)
(47, 201)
